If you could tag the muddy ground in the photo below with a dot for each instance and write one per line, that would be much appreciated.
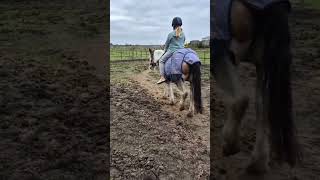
(54, 110)
(305, 27)
(53, 104)
(148, 136)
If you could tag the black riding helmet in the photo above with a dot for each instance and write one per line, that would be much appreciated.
(177, 21)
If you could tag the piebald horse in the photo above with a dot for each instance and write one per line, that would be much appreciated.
(261, 37)
(154, 57)
(190, 72)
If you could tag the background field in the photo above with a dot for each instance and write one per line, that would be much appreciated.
(312, 3)
(126, 53)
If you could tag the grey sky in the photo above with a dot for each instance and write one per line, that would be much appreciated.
(149, 21)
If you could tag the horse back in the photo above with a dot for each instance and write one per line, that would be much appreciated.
(173, 66)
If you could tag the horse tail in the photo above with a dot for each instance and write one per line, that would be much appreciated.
(196, 86)
(277, 84)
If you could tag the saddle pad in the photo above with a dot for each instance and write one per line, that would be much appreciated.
(173, 65)
(221, 15)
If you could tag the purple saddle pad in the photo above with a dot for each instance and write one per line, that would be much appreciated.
(173, 65)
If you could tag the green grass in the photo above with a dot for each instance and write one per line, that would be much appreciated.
(121, 72)
(312, 3)
(128, 54)
(134, 53)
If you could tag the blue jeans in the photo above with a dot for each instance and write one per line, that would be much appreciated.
(163, 60)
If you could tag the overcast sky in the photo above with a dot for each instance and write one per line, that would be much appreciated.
(149, 21)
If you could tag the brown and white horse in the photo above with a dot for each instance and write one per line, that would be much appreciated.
(191, 73)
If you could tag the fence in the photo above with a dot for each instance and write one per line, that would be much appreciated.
(134, 53)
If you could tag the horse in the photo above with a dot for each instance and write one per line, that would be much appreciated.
(184, 65)
(154, 56)
(260, 37)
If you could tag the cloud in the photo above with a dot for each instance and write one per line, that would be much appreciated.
(120, 18)
(149, 22)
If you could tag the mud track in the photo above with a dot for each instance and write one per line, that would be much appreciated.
(52, 121)
(150, 137)
(53, 105)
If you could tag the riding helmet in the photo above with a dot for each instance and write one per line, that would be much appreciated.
(177, 21)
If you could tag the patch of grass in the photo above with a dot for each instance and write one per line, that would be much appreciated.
(312, 3)
(128, 54)
(121, 72)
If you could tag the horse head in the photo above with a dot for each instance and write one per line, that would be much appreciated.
(151, 58)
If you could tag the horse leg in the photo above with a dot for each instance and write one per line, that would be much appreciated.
(225, 70)
(171, 95)
(166, 91)
(260, 155)
(191, 106)
(184, 94)
(227, 78)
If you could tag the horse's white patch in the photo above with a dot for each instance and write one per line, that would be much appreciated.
(157, 55)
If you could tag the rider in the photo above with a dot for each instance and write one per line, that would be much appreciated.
(175, 40)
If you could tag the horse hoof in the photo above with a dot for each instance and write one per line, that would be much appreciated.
(181, 108)
(171, 103)
(257, 167)
(229, 150)
(164, 97)
(190, 114)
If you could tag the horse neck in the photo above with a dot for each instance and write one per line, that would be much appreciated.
(157, 54)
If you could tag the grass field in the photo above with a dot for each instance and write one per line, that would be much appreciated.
(312, 3)
(139, 53)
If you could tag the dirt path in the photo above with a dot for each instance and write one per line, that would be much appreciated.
(53, 106)
(200, 121)
(305, 29)
(148, 136)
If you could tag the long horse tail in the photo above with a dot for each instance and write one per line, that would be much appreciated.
(277, 84)
(195, 73)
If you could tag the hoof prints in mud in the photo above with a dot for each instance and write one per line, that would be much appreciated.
(53, 121)
(145, 139)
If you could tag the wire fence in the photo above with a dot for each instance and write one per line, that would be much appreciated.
(134, 53)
